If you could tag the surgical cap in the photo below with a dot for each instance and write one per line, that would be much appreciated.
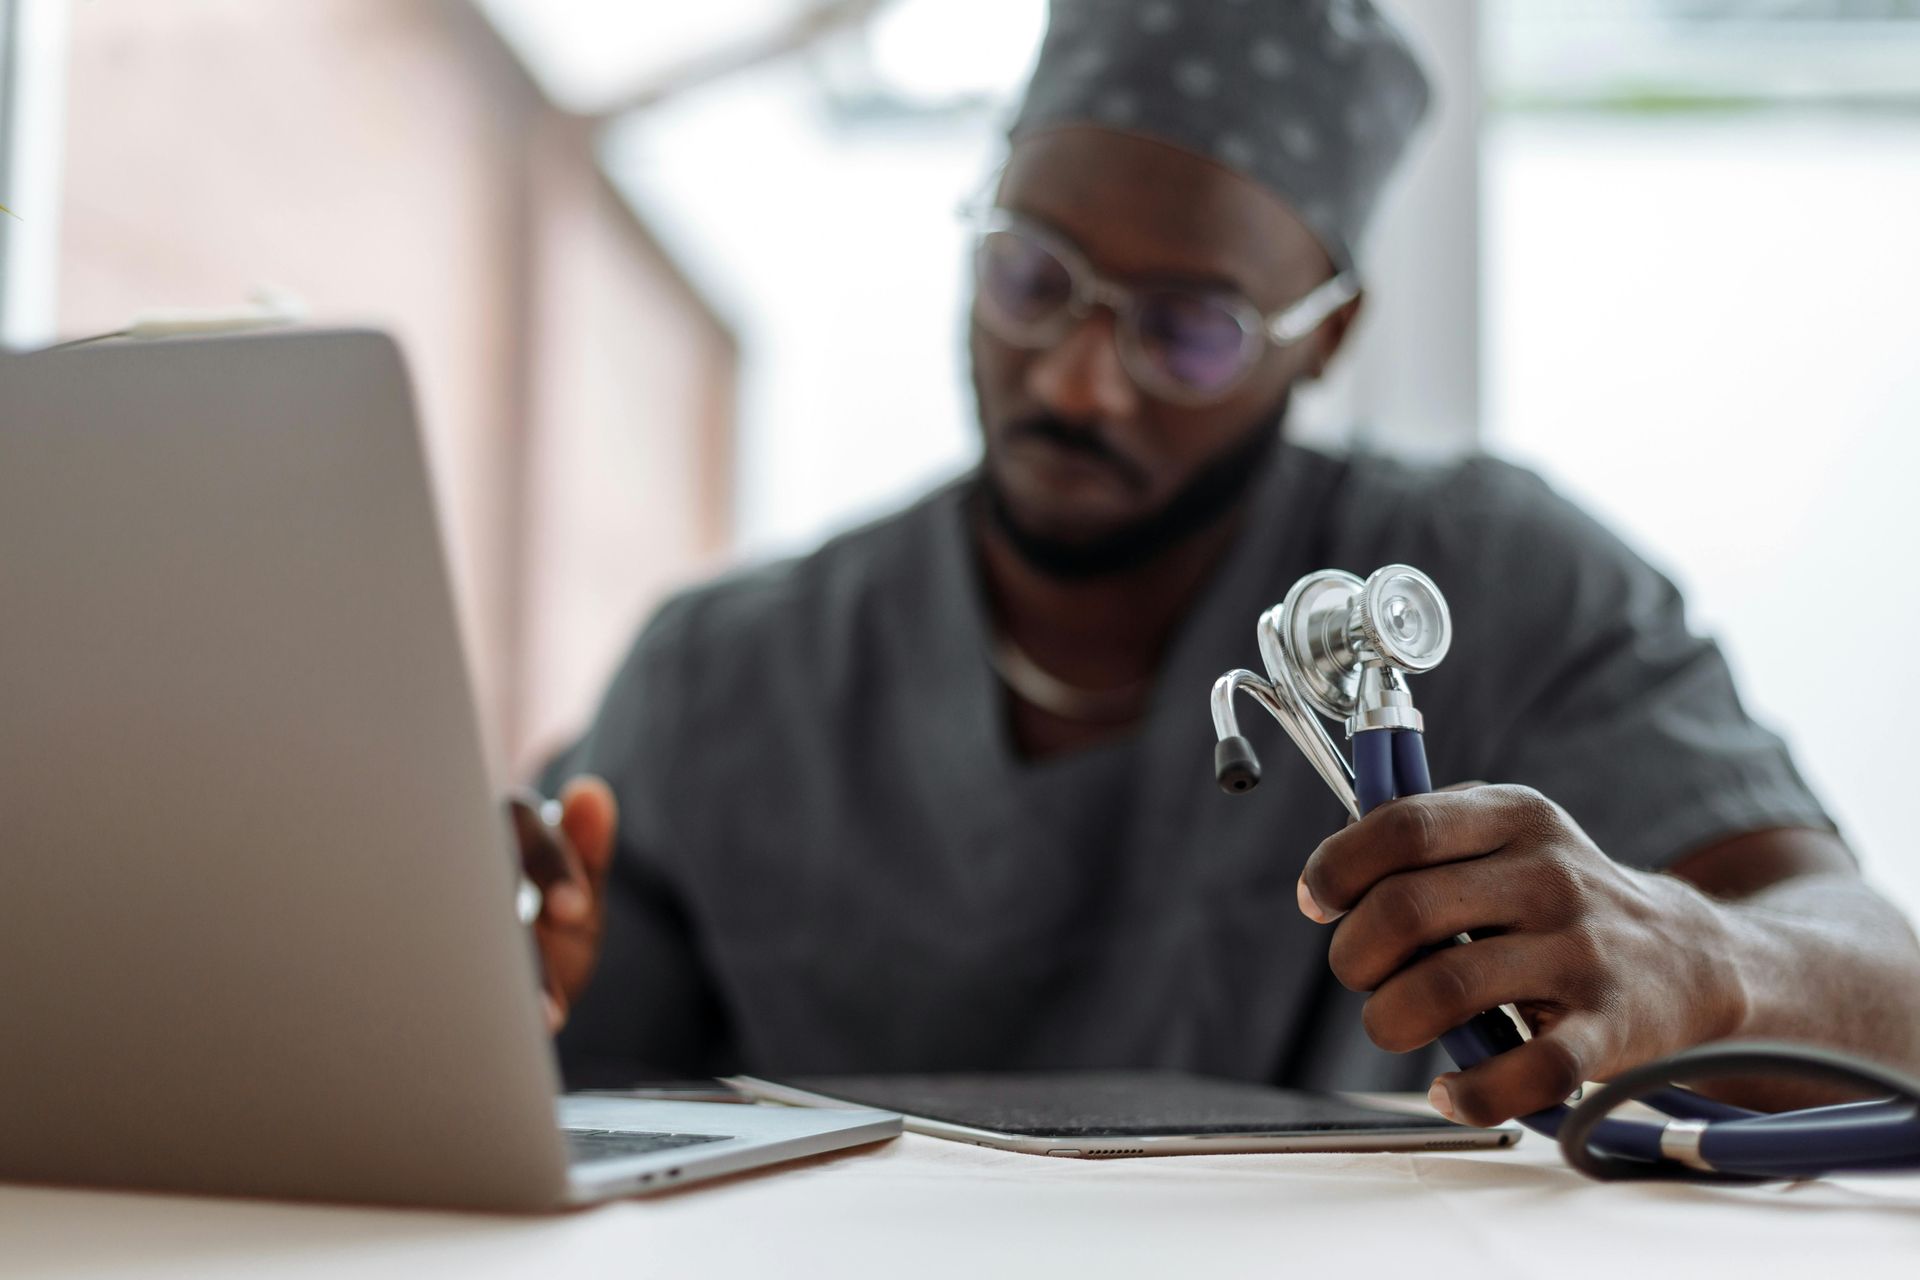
(1314, 99)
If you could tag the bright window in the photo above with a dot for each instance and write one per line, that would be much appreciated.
(1701, 295)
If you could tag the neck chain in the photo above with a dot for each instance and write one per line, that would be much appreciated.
(1033, 684)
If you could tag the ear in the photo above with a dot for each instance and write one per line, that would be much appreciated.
(1331, 336)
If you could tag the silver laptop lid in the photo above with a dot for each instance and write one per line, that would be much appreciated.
(258, 929)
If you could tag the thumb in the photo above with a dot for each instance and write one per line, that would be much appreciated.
(1539, 1074)
(588, 816)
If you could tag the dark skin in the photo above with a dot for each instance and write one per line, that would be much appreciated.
(1769, 934)
(1186, 220)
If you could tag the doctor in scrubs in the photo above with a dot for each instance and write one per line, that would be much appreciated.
(938, 794)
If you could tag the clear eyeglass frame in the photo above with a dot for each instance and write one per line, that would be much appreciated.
(1092, 289)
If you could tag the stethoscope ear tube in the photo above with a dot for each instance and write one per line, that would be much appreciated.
(1388, 764)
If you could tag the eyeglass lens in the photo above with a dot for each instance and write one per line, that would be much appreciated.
(1179, 341)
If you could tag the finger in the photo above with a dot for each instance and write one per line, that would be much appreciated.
(553, 1011)
(544, 854)
(566, 896)
(1439, 992)
(589, 816)
(1417, 831)
(1541, 1073)
(1416, 909)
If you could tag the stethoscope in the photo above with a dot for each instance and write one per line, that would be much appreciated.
(1342, 648)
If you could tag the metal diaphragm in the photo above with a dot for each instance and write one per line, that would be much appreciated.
(1403, 617)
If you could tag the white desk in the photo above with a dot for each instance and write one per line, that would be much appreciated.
(920, 1206)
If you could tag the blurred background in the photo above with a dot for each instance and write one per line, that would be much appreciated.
(683, 285)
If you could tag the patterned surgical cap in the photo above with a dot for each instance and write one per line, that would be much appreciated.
(1315, 99)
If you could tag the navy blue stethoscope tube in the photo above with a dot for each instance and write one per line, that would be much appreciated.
(1738, 1144)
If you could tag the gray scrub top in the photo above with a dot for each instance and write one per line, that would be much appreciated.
(831, 859)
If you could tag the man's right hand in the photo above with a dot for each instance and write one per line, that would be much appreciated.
(565, 849)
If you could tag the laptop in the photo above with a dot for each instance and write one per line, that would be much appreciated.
(259, 929)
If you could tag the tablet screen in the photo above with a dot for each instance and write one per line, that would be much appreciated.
(1141, 1104)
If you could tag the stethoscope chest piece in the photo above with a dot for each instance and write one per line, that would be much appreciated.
(1333, 625)
(1316, 641)
(1340, 647)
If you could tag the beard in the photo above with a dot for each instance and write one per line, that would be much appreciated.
(1213, 493)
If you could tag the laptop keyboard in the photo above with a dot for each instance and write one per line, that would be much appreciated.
(584, 1145)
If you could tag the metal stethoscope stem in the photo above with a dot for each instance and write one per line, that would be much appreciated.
(1341, 648)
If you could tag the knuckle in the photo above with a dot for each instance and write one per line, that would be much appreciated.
(1564, 891)
(1410, 826)
(1555, 875)
(1404, 909)
(1584, 951)
(1586, 968)
(1447, 984)
(1419, 1004)
(1530, 809)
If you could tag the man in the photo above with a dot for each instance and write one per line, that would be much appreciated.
(937, 795)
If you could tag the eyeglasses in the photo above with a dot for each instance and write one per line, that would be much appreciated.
(1184, 345)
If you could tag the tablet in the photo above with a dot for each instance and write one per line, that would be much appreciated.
(1102, 1114)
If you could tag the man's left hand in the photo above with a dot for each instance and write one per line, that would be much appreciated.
(1611, 966)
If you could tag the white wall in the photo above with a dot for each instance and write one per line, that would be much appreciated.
(1410, 379)
(32, 99)
(1704, 329)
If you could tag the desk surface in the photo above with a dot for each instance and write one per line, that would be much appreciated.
(921, 1206)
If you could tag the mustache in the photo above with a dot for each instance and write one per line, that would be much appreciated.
(1208, 496)
(1080, 437)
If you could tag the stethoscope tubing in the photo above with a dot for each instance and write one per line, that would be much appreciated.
(1854, 1137)
(1737, 1144)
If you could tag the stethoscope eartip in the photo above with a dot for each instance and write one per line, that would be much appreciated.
(1235, 765)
